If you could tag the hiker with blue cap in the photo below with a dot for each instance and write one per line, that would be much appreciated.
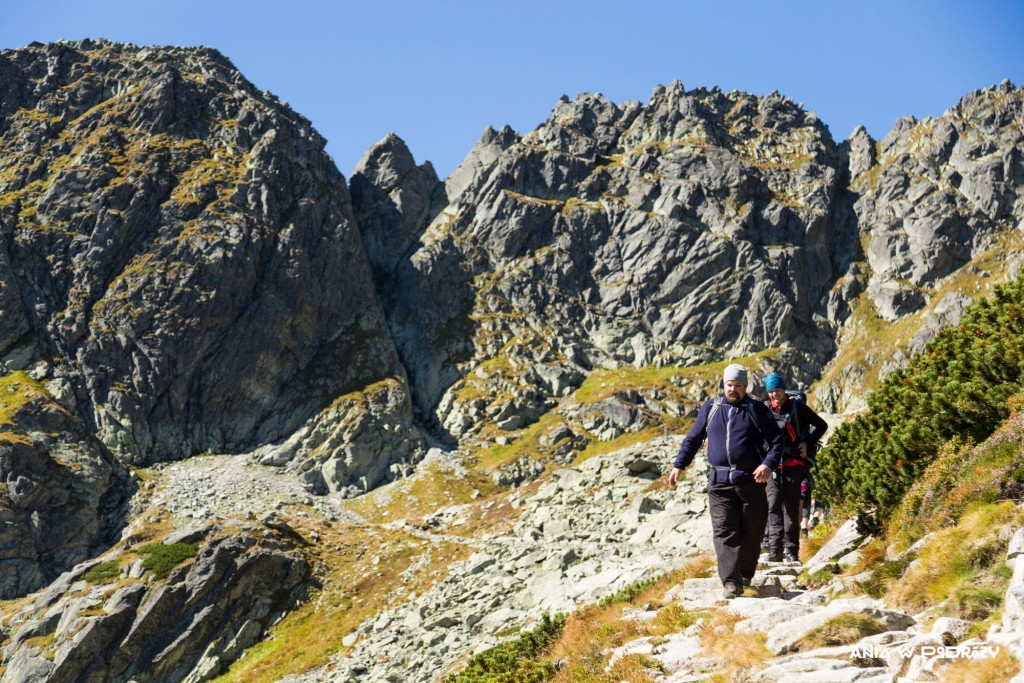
(801, 429)
(744, 447)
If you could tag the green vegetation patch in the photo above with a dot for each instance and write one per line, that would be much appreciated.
(517, 661)
(628, 593)
(104, 572)
(884, 574)
(161, 559)
(362, 571)
(963, 567)
(602, 384)
(16, 390)
(580, 643)
(961, 476)
(818, 578)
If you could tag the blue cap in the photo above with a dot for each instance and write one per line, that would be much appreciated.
(774, 381)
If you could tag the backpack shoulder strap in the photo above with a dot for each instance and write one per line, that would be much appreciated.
(796, 400)
(716, 403)
(752, 411)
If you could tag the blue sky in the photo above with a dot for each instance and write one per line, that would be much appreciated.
(438, 73)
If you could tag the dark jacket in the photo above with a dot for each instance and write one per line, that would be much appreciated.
(809, 425)
(732, 436)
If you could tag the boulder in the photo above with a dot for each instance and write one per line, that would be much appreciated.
(783, 637)
(846, 540)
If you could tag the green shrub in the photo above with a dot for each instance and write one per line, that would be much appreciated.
(628, 593)
(103, 572)
(516, 661)
(957, 388)
(161, 559)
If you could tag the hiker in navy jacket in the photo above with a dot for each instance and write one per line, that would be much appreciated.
(744, 447)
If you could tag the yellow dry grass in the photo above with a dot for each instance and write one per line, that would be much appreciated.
(363, 570)
(591, 632)
(999, 669)
(738, 651)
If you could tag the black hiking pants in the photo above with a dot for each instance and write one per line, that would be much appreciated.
(784, 510)
(738, 516)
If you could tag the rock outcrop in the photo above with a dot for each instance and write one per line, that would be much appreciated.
(692, 228)
(937, 192)
(188, 627)
(181, 267)
(939, 209)
(63, 498)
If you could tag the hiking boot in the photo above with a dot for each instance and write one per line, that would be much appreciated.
(731, 590)
(791, 558)
(746, 582)
(775, 557)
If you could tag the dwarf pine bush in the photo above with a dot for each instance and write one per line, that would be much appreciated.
(517, 661)
(161, 559)
(955, 390)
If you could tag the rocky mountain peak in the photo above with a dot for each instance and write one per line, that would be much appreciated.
(157, 212)
(479, 160)
(393, 199)
(936, 193)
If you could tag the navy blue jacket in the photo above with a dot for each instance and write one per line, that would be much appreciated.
(733, 437)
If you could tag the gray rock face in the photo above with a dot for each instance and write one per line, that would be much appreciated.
(62, 496)
(392, 199)
(183, 247)
(938, 191)
(480, 160)
(695, 226)
(352, 446)
(187, 628)
(183, 254)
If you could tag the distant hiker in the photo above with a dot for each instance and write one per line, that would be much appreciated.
(744, 447)
(801, 429)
